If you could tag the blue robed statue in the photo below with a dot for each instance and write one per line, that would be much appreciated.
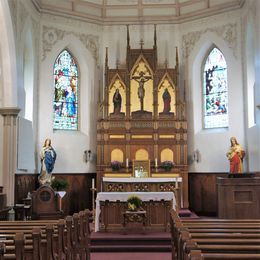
(48, 158)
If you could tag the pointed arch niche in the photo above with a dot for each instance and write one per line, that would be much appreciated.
(65, 103)
(166, 96)
(215, 90)
(117, 97)
(141, 88)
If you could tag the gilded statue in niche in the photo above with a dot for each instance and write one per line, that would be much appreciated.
(166, 99)
(117, 99)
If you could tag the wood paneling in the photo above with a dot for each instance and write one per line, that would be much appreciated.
(239, 198)
(78, 197)
(157, 215)
(203, 192)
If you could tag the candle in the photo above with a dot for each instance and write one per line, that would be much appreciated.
(156, 163)
(93, 183)
(127, 163)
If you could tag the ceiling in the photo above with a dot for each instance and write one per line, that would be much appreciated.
(136, 11)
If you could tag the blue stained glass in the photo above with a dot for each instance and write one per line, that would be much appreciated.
(65, 103)
(215, 90)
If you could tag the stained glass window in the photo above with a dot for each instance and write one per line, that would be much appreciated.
(215, 90)
(65, 103)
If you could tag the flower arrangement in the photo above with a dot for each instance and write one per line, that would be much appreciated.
(59, 184)
(116, 165)
(167, 165)
(134, 202)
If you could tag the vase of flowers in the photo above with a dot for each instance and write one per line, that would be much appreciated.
(116, 165)
(134, 203)
(167, 165)
(59, 184)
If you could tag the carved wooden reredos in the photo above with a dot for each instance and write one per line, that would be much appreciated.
(143, 116)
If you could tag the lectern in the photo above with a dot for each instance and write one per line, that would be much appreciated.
(45, 204)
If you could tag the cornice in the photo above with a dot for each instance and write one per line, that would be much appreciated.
(137, 19)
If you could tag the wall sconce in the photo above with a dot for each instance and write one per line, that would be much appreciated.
(196, 156)
(87, 155)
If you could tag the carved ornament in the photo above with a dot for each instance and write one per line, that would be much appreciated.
(51, 35)
(227, 32)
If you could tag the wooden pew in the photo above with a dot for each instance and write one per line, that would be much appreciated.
(197, 239)
(59, 239)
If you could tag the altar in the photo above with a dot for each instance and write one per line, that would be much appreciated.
(142, 140)
(110, 207)
(131, 184)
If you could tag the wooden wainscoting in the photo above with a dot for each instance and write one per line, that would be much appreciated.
(78, 197)
(203, 192)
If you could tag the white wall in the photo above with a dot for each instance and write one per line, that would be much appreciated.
(70, 145)
(250, 49)
(87, 42)
(198, 38)
(8, 77)
(27, 26)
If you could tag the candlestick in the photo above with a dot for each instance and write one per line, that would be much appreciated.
(127, 163)
(93, 183)
(156, 162)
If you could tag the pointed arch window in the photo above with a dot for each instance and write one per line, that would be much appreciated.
(65, 104)
(215, 90)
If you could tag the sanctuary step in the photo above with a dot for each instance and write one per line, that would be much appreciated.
(185, 213)
(117, 242)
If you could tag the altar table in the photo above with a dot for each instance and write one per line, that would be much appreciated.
(174, 184)
(163, 201)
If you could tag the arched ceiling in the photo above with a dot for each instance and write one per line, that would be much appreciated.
(137, 11)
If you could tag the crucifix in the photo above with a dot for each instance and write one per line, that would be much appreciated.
(141, 79)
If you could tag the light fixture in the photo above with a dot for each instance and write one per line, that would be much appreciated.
(87, 155)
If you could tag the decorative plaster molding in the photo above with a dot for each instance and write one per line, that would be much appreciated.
(50, 36)
(227, 32)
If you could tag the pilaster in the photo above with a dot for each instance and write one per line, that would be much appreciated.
(9, 150)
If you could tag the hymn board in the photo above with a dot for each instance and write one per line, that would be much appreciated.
(142, 118)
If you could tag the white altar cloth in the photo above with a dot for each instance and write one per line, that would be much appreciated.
(130, 180)
(123, 196)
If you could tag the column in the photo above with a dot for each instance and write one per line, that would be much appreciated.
(9, 151)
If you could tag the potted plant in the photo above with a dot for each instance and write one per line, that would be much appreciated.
(59, 184)
(116, 165)
(167, 165)
(134, 203)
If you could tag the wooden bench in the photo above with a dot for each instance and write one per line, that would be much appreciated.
(67, 238)
(205, 239)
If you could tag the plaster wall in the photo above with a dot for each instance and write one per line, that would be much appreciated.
(26, 23)
(82, 41)
(8, 78)
(87, 42)
(222, 31)
(251, 69)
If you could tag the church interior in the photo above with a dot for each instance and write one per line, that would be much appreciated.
(121, 117)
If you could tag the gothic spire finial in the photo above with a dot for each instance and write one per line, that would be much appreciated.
(128, 36)
(106, 59)
(141, 43)
(166, 63)
(155, 37)
(177, 59)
